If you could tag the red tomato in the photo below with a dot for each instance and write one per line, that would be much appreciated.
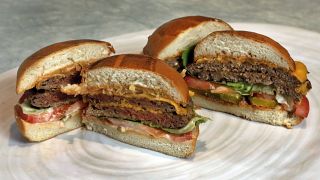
(198, 84)
(54, 115)
(155, 132)
(205, 85)
(302, 108)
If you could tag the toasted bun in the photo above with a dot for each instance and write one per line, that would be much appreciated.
(36, 132)
(241, 45)
(269, 116)
(124, 74)
(170, 39)
(59, 58)
(163, 145)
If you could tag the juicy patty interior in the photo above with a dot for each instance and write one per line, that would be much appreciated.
(157, 113)
(228, 71)
(47, 93)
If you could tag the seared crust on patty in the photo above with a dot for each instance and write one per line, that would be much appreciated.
(156, 113)
(47, 93)
(55, 82)
(229, 71)
(47, 99)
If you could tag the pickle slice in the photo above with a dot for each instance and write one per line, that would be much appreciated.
(232, 98)
(269, 103)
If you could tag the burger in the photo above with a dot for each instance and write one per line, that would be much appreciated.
(237, 72)
(249, 75)
(175, 40)
(43, 111)
(141, 101)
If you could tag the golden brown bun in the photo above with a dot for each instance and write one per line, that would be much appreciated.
(242, 44)
(163, 145)
(140, 70)
(60, 58)
(190, 28)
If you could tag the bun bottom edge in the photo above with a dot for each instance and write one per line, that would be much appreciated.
(269, 116)
(37, 132)
(177, 149)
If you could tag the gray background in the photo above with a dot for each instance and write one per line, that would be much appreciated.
(27, 25)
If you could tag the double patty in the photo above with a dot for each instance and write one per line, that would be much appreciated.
(214, 71)
(157, 113)
(47, 94)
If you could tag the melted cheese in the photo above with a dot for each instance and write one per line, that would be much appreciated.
(82, 89)
(191, 93)
(180, 110)
(301, 71)
(125, 104)
(303, 88)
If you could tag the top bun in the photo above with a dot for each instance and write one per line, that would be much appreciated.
(169, 40)
(243, 45)
(136, 74)
(59, 58)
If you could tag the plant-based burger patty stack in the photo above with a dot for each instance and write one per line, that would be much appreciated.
(139, 100)
(251, 76)
(174, 40)
(43, 110)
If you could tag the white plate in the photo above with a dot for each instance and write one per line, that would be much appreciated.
(228, 147)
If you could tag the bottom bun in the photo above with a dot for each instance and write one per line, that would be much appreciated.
(270, 116)
(163, 145)
(36, 132)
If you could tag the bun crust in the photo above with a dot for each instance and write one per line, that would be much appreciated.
(243, 44)
(191, 29)
(163, 145)
(58, 58)
(273, 117)
(36, 132)
(140, 70)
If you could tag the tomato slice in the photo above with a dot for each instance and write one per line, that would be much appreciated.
(53, 115)
(141, 128)
(198, 84)
(302, 108)
(205, 85)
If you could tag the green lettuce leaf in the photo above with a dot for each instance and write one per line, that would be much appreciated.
(246, 89)
(187, 56)
(242, 88)
(28, 109)
(189, 127)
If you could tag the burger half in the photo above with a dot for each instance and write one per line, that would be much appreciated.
(43, 110)
(175, 40)
(141, 101)
(251, 76)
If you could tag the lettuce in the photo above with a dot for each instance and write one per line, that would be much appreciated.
(28, 109)
(263, 89)
(189, 127)
(187, 56)
(195, 121)
(246, 89)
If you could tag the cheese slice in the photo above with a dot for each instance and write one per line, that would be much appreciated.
(180, 110)
(301, 71)
(124, 104)
(303, 89)
(82, 89)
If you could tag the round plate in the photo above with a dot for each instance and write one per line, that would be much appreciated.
(228, 147)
